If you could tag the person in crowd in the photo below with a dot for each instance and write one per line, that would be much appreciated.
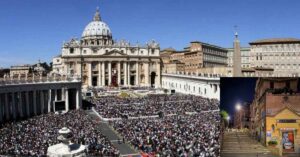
(32, 137)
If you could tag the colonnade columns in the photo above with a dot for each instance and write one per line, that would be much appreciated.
(109, 73)
(42, 101)
(1, 109)
(7, 107)
(119, 73)
(99, 74)
(137, 76)
(34, 103)
(20, 104)
(89, 65)
(146, 72)
(55, 99)
(103, 73)
(14, 106)
(67, 99)
(49, 100)
(27, 104)
(125, 73)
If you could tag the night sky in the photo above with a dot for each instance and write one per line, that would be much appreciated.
(236, 90)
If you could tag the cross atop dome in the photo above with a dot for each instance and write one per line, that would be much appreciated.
(97, 16)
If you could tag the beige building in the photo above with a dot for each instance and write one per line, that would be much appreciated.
(21, 70)
(275, 114)
(197, 56)
(276, 56)
(101, 61)
(245, 57)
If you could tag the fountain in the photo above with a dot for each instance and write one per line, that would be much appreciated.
(65, 148)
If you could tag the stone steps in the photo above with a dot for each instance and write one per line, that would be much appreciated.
(241, 143)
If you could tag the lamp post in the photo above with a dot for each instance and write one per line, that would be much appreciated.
(239, 108)
(228, 120)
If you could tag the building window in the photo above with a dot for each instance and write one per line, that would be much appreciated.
(152, 51)
(287, 84)
(71, 50)
(271, 84)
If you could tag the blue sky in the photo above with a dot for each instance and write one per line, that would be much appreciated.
(35, 29)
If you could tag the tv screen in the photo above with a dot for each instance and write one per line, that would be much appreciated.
(88, 94)
(59, 105)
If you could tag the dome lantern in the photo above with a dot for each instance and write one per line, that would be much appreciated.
(97, 16)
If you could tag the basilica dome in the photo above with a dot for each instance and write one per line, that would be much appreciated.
(96, 28)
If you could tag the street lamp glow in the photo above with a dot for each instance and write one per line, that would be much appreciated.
(228, 118)
(238, 107)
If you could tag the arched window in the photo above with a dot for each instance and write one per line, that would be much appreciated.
(71, 50)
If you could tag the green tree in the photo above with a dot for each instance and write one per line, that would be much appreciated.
(224, 115)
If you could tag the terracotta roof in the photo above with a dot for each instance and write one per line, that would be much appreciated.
(275, 41)
(169, 49)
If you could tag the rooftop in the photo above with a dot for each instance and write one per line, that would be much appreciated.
(275, 41)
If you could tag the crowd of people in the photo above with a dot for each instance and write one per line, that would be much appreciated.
(32, 137)
(189, 126)
(181, 135)
(116, 107)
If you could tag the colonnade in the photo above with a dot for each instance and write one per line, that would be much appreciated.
(23, 101)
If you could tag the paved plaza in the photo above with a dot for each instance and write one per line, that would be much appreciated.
(124, 148)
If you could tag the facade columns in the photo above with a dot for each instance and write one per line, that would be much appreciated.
(158, 75)
(55, 94)
(89, 65)
(119, 73)
(14, 111)
(78, 100)
(78, 69)
(128, 74)
(34, 103)
(49, 100)
(67, 99)
(137, 72)
(63, 94)
(125, 73)
(109, 73)
(7, 110)
(27, 104)
(146, 72)
(99, 75)
(103, 73)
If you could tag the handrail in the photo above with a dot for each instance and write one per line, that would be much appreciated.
(36, 79)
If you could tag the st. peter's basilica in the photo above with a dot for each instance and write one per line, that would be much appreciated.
(101, 61)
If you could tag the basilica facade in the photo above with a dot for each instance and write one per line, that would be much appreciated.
(101, 61)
